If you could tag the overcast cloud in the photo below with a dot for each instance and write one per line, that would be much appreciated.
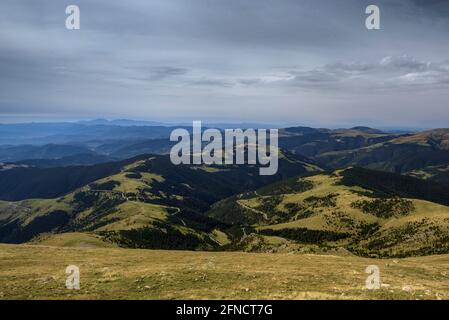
(289, 61)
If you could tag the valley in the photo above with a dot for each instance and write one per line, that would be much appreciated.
(149, 203)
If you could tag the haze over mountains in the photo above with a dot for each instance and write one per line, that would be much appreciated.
(45, 145)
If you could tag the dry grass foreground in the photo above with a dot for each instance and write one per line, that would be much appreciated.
(38, 272)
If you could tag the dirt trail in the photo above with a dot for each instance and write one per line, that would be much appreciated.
(254, 210)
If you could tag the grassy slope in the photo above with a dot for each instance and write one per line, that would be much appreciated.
(72, 240)
(423, 154)
(147, 193)
(38, 272)
(325, 185)
(424, 230)
(125, 215)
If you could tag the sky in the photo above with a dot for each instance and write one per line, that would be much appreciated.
(304, 62)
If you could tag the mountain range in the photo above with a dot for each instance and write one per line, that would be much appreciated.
(359, 191)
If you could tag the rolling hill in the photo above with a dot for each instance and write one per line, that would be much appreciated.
(18, 182)
(312, 142)
(424, 154)
(361, 211)
(142, 202)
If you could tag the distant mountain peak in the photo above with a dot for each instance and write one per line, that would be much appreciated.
(121, 122)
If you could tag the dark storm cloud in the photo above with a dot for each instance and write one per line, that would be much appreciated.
(189, 58)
